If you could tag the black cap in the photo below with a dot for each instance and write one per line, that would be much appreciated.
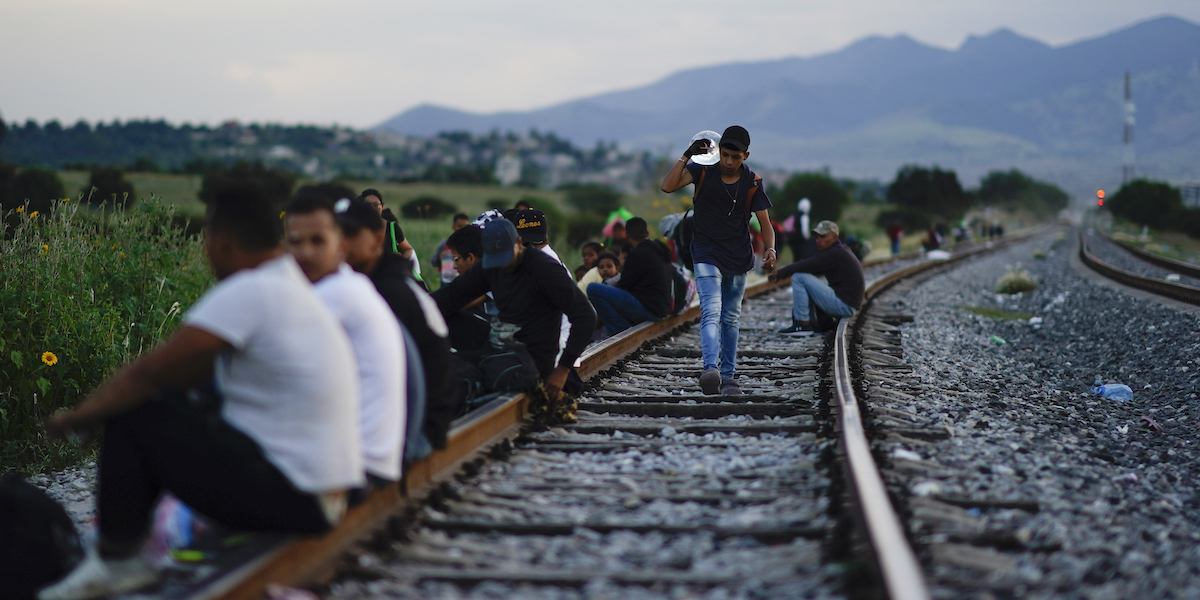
(531, 224)
(736, 137)
(355, 214)
(499, 236)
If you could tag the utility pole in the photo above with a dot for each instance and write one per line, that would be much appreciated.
(1127, 168)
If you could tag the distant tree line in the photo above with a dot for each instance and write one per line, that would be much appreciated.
(1156, 204)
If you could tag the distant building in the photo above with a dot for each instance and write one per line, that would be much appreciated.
(1191, 195)
(508, 169)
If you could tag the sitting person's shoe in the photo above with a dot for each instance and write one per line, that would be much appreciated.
(797, 329)
(730, 387)
(710, 382)
(96, 577)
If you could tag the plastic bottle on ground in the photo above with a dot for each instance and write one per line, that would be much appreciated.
(1113, 391)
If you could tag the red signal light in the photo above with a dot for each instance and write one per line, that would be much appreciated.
(1100, 197)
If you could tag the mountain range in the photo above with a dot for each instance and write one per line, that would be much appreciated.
(998, 101)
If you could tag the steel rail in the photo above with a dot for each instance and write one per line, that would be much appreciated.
(895, 561)
(1178, 266)
(1167, 289)
(299, 560)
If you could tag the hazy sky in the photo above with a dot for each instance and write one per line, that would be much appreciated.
(359, 62)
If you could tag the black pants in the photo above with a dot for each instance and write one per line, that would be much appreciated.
(179, 442)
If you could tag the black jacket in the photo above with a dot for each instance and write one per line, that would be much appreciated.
(840, 268)
(534, 296)
(391, 278)
(646, 275)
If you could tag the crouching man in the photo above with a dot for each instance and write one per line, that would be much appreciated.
(532, 291)
(274, 447)
(839, 298)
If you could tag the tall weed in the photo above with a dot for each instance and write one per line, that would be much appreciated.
(81, 293)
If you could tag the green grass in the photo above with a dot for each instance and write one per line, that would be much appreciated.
(1015, 281)
(1001, 314)
(82, 293)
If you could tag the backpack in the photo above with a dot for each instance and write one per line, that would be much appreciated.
(683, 289)
(686, 230)
(38, 543)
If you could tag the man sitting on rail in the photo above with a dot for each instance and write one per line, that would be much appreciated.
(412, 306)
(531, 291)
(644, 291)
(840, 297)
(275, 446)
(315, 240)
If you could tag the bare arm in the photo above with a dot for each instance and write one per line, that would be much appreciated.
(184, 359)
(768, 236)
(677, 177)
(405, 248)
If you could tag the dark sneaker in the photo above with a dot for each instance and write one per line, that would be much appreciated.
(730, 387)
(710, 382)
(797, 330)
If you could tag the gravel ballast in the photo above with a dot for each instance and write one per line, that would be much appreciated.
(1043, 489)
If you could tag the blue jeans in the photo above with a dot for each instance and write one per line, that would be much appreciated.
(618, 309)
(895, 247)
(805, 286)
(720, 310)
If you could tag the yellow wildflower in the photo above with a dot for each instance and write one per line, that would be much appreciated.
(45, 248)
(282, 213)
(49, 358)
(122, 255)
(20, 209)
(33, 215)
(66, 199)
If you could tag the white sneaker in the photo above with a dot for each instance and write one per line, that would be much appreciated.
(96, 577)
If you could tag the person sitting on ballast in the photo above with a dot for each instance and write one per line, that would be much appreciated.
(840, 297)
(644, 290)
(273, 446)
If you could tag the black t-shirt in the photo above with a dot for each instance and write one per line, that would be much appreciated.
(392, 233)
(534, 296)
(722, 234)
(393, 282)
(646, 275)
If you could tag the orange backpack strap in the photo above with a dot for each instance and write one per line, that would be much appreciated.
(750, 193)
(696, 191)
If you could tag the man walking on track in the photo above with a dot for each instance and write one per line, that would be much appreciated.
(840, 297)
(726, 194)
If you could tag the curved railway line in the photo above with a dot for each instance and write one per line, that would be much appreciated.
(1161, 287)
(778, 486)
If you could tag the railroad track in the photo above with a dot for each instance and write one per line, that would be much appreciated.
(1175, 291)
(771, 486)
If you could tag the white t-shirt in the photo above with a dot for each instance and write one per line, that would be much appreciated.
(379, 351)
(289, 383)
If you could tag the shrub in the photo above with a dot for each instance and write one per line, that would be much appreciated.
(827, 197)
(79, 297)
(427, 207)
(277, 184)
(1015, 281)
(584, 227)
(108, 185)
(37, 188)
(330, 190)
(592, 198)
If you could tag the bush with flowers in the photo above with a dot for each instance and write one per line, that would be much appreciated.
(82, 291)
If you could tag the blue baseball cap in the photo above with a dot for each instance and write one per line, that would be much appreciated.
(498, 239)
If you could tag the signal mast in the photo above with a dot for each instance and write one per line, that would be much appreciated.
(1127, 167)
